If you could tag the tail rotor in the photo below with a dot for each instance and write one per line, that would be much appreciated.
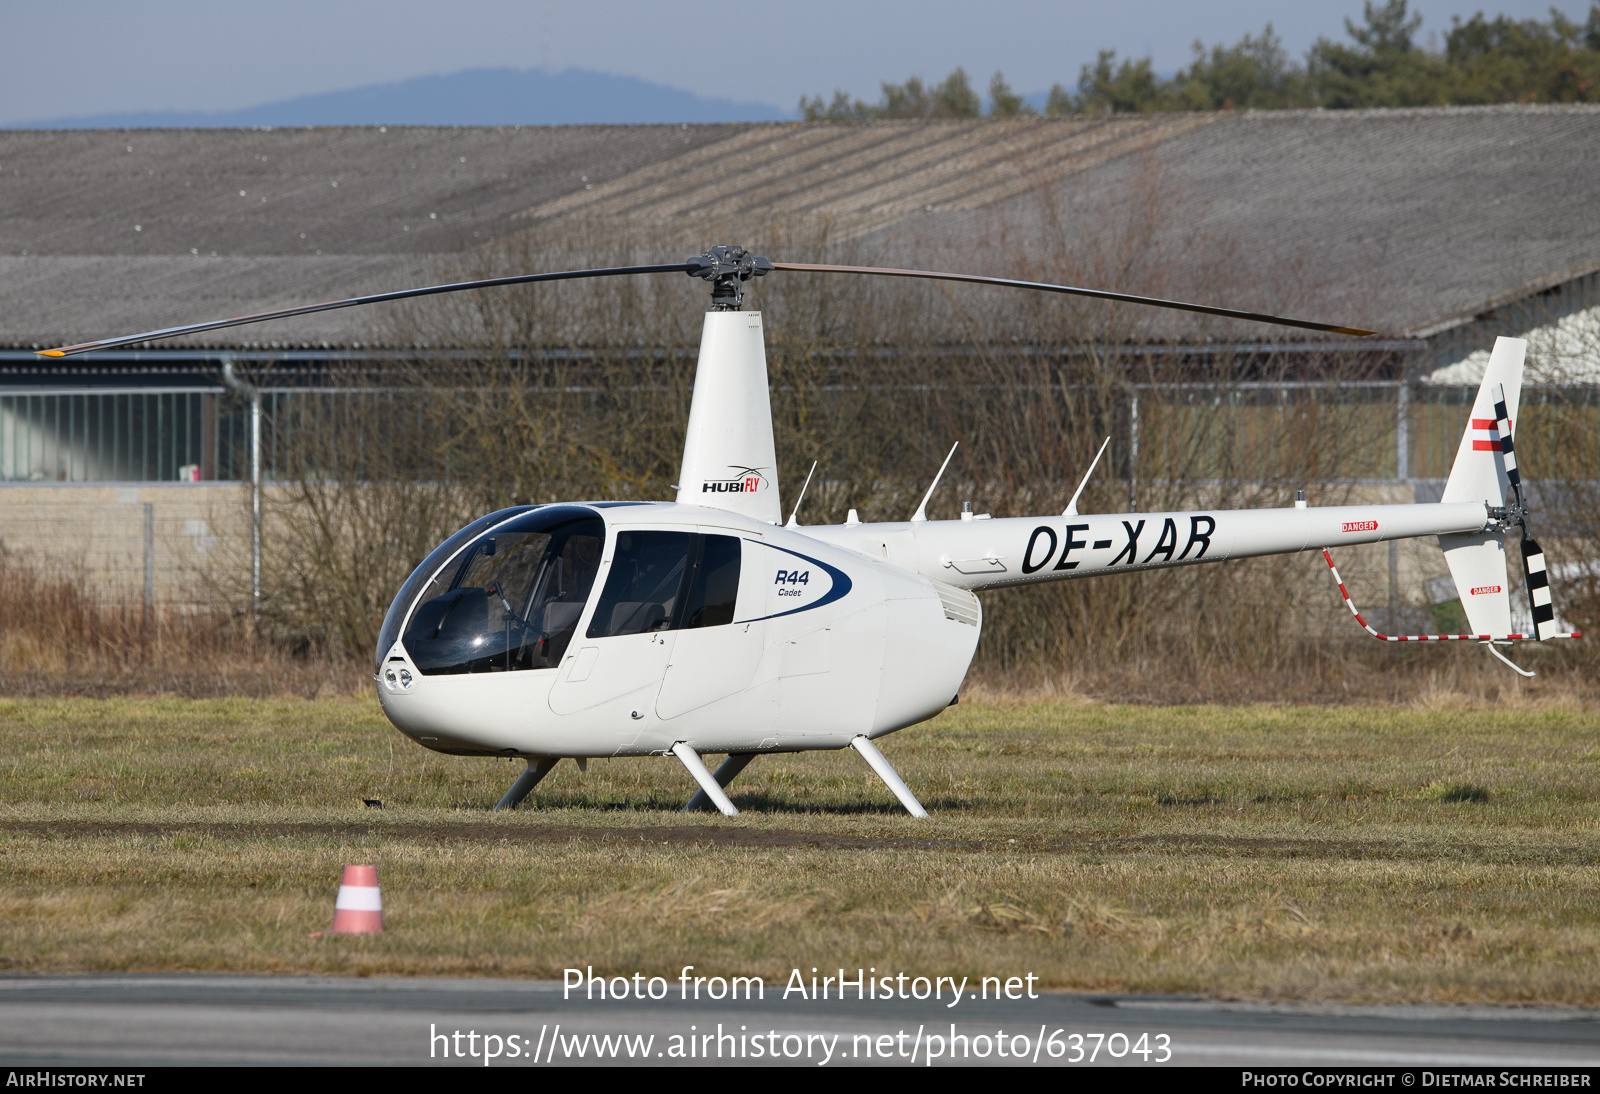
(1535, 574)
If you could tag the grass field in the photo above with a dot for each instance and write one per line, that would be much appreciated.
(1254, 852)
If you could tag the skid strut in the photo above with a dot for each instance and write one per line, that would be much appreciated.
(708, 785)
(735, 763)
(893, 781)
(538, 768)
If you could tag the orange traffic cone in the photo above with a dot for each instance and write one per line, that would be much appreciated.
(359, 909)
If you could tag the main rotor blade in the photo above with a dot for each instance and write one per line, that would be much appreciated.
(1071, 290)
(356, 301)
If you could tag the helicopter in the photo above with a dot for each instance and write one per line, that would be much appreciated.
(709, 624)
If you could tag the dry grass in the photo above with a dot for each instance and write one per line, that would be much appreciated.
(61, 636)
(1264, 852)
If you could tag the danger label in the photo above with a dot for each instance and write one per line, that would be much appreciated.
(1481, 589)
(1360, 526)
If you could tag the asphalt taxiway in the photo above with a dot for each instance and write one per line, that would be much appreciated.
(151, 1020)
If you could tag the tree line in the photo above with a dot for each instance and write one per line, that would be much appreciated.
(1499, 60)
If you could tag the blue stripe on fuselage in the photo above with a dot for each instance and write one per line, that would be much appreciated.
(841, 584)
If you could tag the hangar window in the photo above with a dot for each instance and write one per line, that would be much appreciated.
(663, 581)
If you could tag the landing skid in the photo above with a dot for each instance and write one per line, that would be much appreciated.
(711, 795)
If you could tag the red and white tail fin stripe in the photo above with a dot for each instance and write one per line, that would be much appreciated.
(1430, 637)
(1484, 438)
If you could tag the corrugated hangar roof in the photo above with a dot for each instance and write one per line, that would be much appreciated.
(1407, 220)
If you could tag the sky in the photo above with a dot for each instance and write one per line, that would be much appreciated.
(76, 57)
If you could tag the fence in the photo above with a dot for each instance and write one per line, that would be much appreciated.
(159, 543)
(201, 434)
(90, 480)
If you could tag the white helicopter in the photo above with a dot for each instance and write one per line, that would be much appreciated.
(710, 625)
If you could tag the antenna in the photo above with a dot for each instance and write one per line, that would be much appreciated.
(802, 496)
(1072, 506)
(922, 510)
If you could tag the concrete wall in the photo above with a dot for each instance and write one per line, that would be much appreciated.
(184, 542)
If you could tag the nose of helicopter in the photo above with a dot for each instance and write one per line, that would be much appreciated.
(475, 714)
(472, 635)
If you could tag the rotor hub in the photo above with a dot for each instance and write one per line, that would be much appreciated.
(1507, 517)
(727, 268)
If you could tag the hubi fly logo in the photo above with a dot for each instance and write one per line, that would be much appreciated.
(745, 480)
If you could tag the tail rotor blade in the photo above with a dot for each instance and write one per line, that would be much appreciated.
(1537, 577)
(1502, 429)
(1541, 609)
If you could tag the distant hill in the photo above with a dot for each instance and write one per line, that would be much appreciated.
(482, 96)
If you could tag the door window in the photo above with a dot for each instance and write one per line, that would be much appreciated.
(715, 587)
(643, 587)
(663, 581)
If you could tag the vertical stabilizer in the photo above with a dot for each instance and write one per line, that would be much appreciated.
(1478, 560)
(1479, 473)
(729, 460)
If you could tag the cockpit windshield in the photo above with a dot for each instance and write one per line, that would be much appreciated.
(511, 599)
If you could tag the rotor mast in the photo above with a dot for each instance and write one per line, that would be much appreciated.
(729, 456)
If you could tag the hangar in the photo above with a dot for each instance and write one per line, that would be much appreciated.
(1442, 227)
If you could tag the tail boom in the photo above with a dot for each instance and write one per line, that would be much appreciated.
(990, 554)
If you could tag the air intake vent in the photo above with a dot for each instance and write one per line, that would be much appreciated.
(959, 605)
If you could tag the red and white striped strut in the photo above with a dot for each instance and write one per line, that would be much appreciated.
(1425, 637)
